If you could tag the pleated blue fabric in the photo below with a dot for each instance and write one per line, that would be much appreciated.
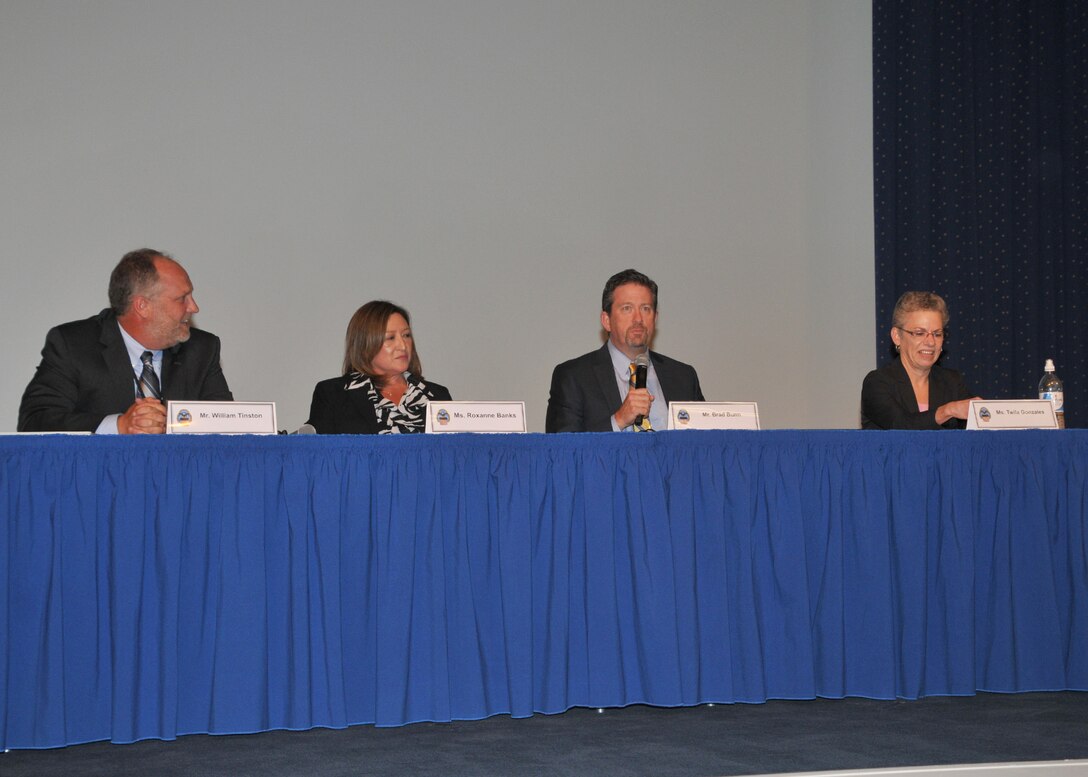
(166, 586)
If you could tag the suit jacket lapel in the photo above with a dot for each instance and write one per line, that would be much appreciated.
(606, 378)
(938, 388)
(904, 388)
(361, 406)
(665, 378)
(171, 361)
(122, 380)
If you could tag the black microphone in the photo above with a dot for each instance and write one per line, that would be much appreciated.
(642, 366)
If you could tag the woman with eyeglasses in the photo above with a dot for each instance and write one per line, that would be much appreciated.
(914, 392)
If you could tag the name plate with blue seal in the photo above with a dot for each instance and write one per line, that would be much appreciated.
(1011, 414)
(479, 417)
(714, 415)
(220, 417)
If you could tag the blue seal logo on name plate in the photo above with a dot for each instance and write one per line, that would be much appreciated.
(442, 417)
(683, 417)
(184, 417)
(984, 414)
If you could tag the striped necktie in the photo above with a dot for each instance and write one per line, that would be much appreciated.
(645, 426)
(148, 384)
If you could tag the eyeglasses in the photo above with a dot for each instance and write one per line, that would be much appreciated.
(922, 334)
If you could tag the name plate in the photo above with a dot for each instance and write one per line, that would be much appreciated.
(481, 417)
(220, 417)
(713, 415)
(1011, 414)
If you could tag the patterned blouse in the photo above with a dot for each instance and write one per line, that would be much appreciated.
(407, 417)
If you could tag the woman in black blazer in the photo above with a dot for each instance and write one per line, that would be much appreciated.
(914, 392)
(382, 390)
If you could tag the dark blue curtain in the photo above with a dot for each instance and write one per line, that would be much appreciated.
(980, 169)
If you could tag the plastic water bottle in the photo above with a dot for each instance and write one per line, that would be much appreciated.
(1050, 387)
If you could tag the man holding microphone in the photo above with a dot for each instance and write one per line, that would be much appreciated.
(602, 390)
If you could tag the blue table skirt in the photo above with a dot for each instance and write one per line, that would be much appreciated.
(157, 587)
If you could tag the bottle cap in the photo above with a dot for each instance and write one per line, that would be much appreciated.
(1049, 366)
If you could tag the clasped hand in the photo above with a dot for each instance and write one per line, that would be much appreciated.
(145, 416)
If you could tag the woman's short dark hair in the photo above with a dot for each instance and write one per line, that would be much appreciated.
(366, 335)
(619, 279)
(913, 301)
(133, 276)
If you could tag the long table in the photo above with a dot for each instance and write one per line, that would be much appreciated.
(163, 586)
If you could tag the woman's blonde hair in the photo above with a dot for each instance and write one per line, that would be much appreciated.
(913, 301)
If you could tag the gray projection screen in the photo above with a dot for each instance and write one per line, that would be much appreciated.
(485, 164)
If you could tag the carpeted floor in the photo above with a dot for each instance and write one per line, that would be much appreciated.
(779, 736)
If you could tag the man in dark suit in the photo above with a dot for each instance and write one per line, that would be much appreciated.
(593, 393)
(110, 373)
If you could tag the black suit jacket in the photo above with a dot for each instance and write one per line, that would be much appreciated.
(888, 402)
(335, 409)
(584, 393)
(85, 375)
